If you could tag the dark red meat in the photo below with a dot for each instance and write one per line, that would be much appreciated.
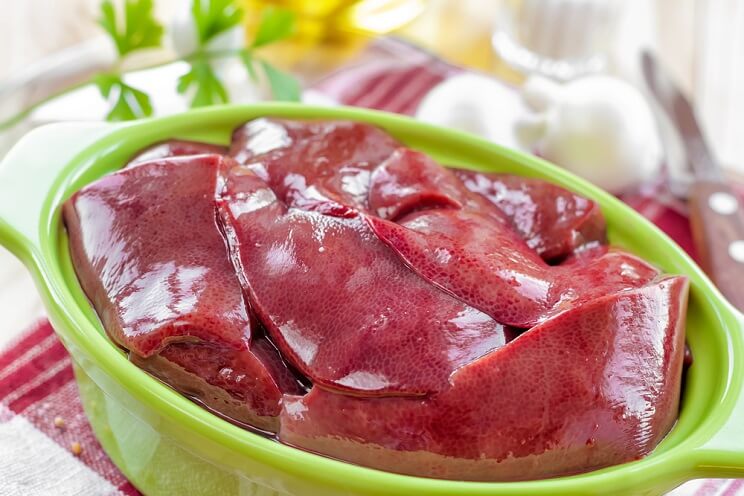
(408, 180)
(595, 386)
(315, 165)
(360, 306)
(487, 265)
(149, 254)
(552, 220)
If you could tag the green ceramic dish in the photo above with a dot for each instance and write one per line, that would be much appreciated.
(167, 445)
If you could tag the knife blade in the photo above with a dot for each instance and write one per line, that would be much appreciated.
(716, 216)
(679, 110)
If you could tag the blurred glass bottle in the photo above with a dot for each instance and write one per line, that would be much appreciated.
(317, 19)
(557, 38)
(327, 32)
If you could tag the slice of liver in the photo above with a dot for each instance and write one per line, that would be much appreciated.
(594, 386)
(149, 254)
(487, 265)
(314, 165)
(237, 384)
(341, 306)
(408, 181)
(553, 221)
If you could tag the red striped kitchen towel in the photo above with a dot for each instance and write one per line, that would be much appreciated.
(46, 443)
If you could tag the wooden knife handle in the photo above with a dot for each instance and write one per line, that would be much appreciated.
(717, 222)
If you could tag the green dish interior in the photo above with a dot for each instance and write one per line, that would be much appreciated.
(705, 383)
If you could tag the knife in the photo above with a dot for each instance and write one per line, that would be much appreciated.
(716, 216)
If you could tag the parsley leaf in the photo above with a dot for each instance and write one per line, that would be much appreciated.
(209, 89)
(128, 102)
(213, 17)
(275, 25)
(137, 30)
(248, 61)
(283, 86)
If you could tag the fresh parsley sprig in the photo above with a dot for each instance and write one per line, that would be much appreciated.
(208, 88)
(275, 25)
(127, 103)
(214, 17)
(135, 28)
(283, 85)
(211, 18)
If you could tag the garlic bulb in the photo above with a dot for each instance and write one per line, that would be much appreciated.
(475, 104)
(598, 127)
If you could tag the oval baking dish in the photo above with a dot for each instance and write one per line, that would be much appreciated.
(166, 444)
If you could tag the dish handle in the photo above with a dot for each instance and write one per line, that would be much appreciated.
(27, 174)
(722, 454)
